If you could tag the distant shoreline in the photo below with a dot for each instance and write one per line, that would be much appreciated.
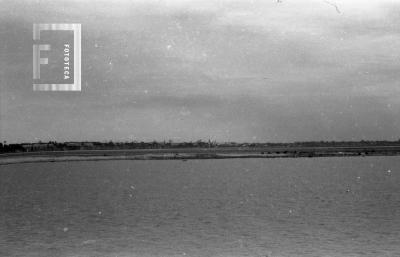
(195, 153)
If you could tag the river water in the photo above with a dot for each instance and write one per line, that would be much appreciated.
(233, 207)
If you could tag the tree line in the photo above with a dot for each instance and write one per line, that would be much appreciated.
(110, 145)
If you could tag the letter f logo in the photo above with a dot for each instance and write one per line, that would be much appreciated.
(37, 61)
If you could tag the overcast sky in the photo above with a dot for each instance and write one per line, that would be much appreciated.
(294, 70)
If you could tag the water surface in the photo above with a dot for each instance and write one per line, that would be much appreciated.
(234, 207)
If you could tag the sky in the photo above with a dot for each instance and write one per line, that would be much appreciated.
(240, 70)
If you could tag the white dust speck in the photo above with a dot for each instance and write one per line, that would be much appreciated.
(90, 241)
(184, 112)
(65, 229)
